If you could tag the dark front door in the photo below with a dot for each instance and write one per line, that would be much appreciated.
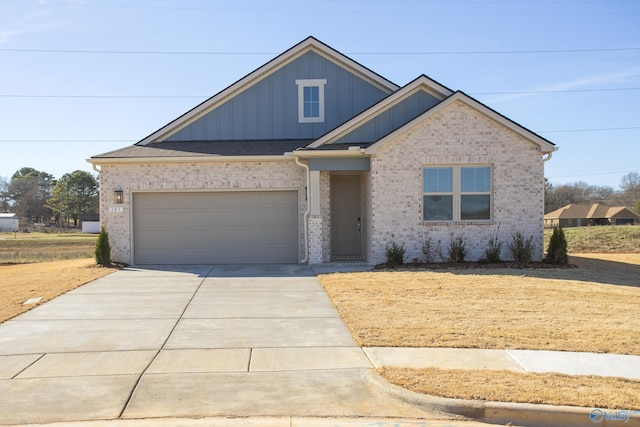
(346, 217)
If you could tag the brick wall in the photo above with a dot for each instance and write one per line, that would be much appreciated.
(222, 176)
(456, 135)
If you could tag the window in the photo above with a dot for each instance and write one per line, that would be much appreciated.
(311, 100)
(456, 193)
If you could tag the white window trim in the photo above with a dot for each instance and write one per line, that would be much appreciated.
(457, 194)
(319, 83)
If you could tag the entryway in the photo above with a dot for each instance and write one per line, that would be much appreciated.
(346, 217)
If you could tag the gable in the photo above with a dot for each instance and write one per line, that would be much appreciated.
(268, 109)
(251, 110)
(543, 144)
(390, 119)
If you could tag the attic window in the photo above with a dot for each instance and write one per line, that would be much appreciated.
(311, 100)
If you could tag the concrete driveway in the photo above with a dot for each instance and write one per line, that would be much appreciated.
(189, 341)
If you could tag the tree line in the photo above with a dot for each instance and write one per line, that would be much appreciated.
(580, 192)
(37, 197)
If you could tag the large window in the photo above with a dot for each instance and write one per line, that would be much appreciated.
(456, 193)
(311, 100)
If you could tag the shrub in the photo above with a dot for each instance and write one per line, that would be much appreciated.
(557, 252)
(427, 249)
(395, 253)
(103, 248)
(457, 249)
(521, 248)
(492, 253)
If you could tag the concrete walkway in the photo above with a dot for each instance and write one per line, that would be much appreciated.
(174, 343)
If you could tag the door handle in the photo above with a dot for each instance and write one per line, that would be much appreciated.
(359, 224)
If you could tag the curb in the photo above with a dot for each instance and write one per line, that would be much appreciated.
(522, 414)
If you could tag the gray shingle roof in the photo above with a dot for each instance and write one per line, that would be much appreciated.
(206, 148)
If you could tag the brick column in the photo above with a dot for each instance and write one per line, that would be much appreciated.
(315, 239)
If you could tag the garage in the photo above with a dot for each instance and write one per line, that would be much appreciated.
(215, 227)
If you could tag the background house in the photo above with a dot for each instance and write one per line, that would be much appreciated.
(577, 215)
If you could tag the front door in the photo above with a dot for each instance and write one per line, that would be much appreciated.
(346, 217)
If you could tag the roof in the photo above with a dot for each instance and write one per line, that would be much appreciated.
(545, 145)
(308, 44)
(592, 211)
(206, 149)
(8, 215)
(420, 83)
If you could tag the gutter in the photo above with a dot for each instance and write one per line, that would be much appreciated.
(305, 260)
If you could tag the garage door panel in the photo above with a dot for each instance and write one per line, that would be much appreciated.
(233, 227)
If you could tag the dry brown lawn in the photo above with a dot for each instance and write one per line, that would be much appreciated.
(591, 308)
(19, 282)
(537, 309)
(507, 386)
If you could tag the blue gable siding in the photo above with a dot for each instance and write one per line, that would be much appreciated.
(391, 119)
(269, 108)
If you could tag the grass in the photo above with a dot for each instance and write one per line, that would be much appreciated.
(507, 386)
(494, 309)
(601, 239)
(21, 248)
(19, 282)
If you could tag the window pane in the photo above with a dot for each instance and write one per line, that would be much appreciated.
(437, 180)
(311, 101)
(438, 208)
(475, 207)
(475, 179)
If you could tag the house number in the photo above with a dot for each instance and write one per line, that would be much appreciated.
(116, 209)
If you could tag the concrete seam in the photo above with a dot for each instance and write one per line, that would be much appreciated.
(30, 365)
(153, 359)
(508, 353)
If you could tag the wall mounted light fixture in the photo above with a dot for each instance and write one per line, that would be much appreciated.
(118, 196)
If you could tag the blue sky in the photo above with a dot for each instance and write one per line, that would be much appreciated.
(82, 77)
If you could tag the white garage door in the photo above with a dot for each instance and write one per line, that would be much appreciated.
(212, 228)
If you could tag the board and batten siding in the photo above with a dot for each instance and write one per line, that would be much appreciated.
(391, 119)
(269, 108)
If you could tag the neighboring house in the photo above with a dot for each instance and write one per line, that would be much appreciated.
(9, 222)
(313, 158)
(575, 215)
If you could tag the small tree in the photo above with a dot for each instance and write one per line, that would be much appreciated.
(103, 248)
(557, 252)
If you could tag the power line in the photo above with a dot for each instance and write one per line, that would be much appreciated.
(90, 140)
(529, 92)
(175, 52)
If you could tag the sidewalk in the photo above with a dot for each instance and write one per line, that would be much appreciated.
(563, 362)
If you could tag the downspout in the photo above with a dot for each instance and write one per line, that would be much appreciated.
(546, 159)
(306, 214)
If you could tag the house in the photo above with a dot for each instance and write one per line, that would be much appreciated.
(577, 215)
(9, 222)
(313, 158)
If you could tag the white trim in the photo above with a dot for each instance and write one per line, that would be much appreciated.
(421, 83)
(545, 146)
(309, 44)
(303, 83)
